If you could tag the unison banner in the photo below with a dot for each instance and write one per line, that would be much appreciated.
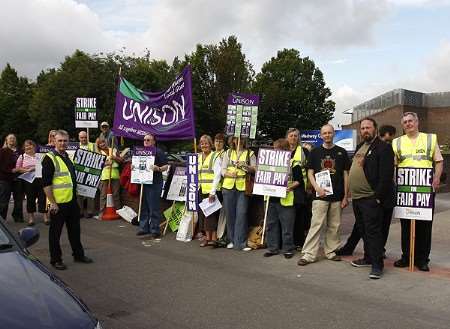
(88, 169)
(415, 197)
(142, 165)
(192, 182)
(167, 114)
(272, 173)
(242, 115)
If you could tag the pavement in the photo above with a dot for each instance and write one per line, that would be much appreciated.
(142, 283)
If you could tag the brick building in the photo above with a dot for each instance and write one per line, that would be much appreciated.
(433, 110)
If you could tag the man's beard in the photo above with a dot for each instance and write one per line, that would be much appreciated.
(368, 138)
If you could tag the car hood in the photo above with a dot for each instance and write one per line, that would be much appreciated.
(32, 297)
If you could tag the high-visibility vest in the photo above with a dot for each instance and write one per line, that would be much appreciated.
(418, 155)
(299, 159)
(239, 181)
(90, 147)
(115, 167)
(62, 181)
(206, 172)
(217, 155)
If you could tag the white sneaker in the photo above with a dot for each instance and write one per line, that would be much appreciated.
(246, 249)
(230, 245)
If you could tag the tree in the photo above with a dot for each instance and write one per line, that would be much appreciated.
(15, 95)
(217, 70)
(293, 95)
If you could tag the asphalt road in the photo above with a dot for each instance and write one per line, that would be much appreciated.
(137, 283)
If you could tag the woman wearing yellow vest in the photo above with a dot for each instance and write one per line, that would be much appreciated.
(209, 174)
(236, 163)
(281, 212)
(110, 171)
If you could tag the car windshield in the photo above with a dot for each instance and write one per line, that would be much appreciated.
(3, 237)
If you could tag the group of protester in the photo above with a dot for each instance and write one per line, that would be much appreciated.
(294, 222)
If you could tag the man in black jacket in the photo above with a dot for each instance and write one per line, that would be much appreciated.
(372, 189)
(386, 134)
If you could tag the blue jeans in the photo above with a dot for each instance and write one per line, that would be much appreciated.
(280, 224)
(151, 211)
(235, 205)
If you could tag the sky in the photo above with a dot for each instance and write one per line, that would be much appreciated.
(364, 48)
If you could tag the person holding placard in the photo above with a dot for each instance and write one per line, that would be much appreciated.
(237, 162)
(332, 162)
(59, 181)
(150, 218)
(302, 201)
(281, 212)
(90, 202)
(417, 150)
(110, 173)
(209, 175)
(26, 164)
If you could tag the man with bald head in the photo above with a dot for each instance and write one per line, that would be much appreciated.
(329, 200)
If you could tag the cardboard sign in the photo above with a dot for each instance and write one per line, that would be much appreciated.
(142, 165)
(86, 113)
(272, 173)
(415, 197)
(88, 170)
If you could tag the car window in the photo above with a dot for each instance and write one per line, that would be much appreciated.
(3, 237)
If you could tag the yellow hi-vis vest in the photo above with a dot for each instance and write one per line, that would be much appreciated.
(206, 172)
(62, 181)
(299, 159)
(90, 147)
(418, 155)
(219, 154)
(239, 181)
(115, 167)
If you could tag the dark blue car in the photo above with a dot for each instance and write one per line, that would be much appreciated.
(30, 295)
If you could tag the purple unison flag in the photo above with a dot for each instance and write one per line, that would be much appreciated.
(167, 114)
(192, 182)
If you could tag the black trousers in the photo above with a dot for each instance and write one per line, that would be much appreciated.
(355, 236)
(422, 246)
(69, 213)
(369, 218)
(18, 194)
(302, 223)
(35, 191)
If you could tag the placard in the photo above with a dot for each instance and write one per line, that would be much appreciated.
(242, 115)
(88, 170)
(192, 182)
(415, 197)
(178, 185)
(142, 165)
(86, 112)
(272, 173)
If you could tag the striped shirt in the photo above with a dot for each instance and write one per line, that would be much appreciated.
(27, 161)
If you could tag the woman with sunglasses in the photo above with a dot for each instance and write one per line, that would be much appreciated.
(150, 209)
